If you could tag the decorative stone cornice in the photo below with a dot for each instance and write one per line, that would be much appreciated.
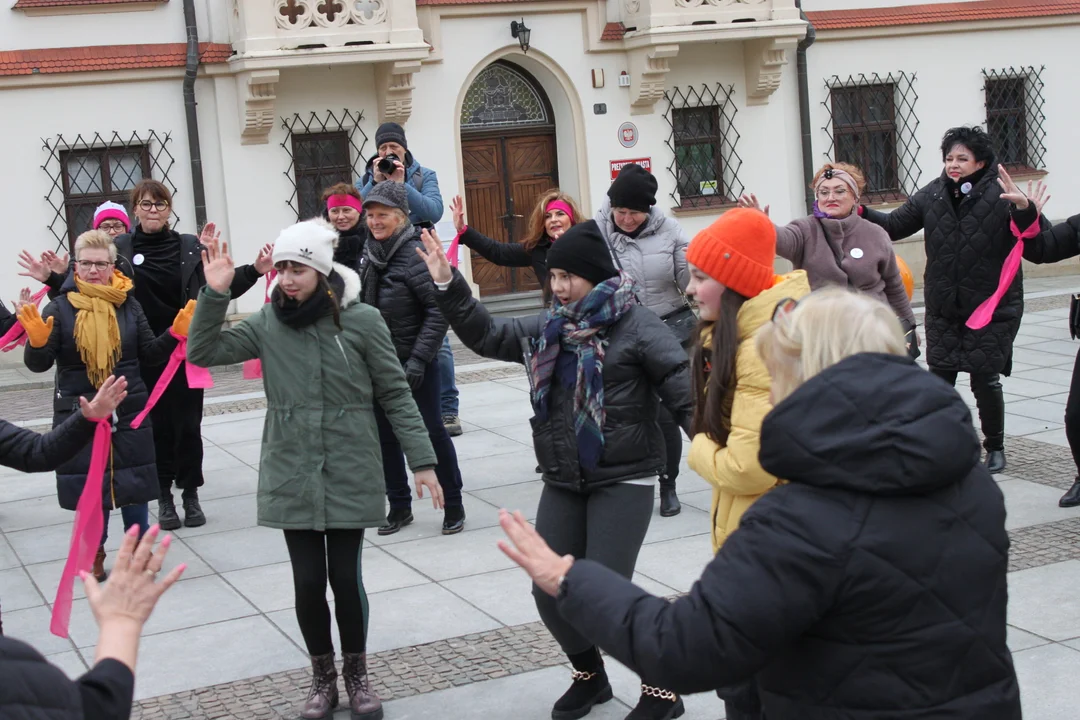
(764, 60)
(394, 88)
(648, 66)
(256, 91)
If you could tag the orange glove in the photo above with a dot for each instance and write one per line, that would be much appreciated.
(182, 322)
(37, 332)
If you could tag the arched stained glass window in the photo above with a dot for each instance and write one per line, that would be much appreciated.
(500, 97)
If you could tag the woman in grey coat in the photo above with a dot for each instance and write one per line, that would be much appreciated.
(651, 248)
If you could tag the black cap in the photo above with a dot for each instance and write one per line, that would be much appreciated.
(582, 250)
(634, 188)
(390, 132)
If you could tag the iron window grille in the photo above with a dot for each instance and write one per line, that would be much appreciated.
(88, 170)
(873, 126)
(702, 141)
(1014, 116)
(323, 151)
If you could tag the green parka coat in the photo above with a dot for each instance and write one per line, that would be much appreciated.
(321, 462)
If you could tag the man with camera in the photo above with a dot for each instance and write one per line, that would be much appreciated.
(395, 163)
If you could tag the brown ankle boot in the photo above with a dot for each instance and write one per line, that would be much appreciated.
(363, 701)
(99, 566)
(323, 696)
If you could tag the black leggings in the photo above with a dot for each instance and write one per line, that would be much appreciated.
(672, 445)
(310, 553)
(1072, 413)
(990, 401)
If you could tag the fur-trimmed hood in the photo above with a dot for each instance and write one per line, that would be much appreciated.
(351, 295)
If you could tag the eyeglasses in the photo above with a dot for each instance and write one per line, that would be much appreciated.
(148, 205)
(784, 308)
(107, 226)
(838, 193)
(86, 265)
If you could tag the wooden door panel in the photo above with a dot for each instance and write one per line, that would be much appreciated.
(485, 201)
(530, 163)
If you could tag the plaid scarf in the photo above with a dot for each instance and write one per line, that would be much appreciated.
(577, 327)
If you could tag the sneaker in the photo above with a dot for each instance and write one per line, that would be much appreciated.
(452, 423)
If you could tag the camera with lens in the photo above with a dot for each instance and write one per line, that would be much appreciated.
(386, 164)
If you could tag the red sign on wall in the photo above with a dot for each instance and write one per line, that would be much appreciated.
(617, 165)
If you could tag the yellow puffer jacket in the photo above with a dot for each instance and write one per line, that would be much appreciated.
(733, 469)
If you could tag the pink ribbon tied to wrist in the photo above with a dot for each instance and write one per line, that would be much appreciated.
(197, 378)
(452, 251)
(16, 335)
(985, 312)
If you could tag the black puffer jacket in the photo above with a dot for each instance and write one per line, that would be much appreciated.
(131, 477)
(406, 299)
(965, 249)
(512, 255)
(32, 689)
(643, 361)
(870, 587)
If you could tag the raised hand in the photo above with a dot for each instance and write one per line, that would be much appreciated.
(25, 298)
(209, 234)
(457, 208)
(1039, 195)
(427, 479)
(217, 265)
(109, 396)
(182, 322)
(34, 267)
(37, 331)
(56, 263)
(264, 263)
(529, 550)
(433, 255)
(750, 201)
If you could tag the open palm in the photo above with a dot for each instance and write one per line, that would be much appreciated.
(434, 257)
(218, 266)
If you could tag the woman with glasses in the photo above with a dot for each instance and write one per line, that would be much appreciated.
(836, 246)
(93, 330)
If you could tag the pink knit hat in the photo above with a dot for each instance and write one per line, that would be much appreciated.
(111, 211)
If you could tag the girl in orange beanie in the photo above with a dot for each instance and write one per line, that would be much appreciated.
(732, 280)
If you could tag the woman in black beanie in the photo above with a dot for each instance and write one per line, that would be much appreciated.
(599, 365)
(651, 248)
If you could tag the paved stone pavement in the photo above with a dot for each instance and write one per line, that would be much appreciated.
(454, 632)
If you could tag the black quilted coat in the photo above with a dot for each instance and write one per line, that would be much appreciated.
(965, 249)
(872, 586)
(406, 299)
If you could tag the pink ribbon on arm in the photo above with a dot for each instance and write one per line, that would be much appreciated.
(197, 378)
(16, 336)
(253, 367)
(452, 251)
(86, 530)
(982, 315)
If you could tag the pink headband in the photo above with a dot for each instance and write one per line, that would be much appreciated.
(837, 174)
(560, 205)
(344, 201)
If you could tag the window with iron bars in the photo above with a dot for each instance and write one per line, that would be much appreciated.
(702, 141)
(873, 127)
(1014, 117)
(323, 151)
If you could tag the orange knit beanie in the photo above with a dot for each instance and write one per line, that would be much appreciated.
(737, 251)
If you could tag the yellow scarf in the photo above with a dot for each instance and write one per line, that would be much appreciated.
(97, 335)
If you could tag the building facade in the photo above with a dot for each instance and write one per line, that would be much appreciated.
(506, 99)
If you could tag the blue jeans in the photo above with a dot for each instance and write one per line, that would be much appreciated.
(133, 515)
(448, 397)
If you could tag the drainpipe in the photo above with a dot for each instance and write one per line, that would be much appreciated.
(191, 69)
(804, 109)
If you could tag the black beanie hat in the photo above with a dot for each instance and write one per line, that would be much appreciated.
(390, 132)
(634, 188)
(582, 250)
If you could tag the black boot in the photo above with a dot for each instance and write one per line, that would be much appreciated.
(193, 514)
(990, 401)
(1072, 497)
(396, 519)
(657, 704)
(453, 520)
(166, 511)
(590, 687)
(669, 501)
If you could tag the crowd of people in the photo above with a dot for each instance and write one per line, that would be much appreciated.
(859, 540)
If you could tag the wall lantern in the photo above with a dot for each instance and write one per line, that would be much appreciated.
(522, 33)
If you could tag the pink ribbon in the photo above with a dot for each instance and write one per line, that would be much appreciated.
(86, 530)
(16, 336)
(982, 315)
(197, 378)
(253, 367)
(452, 251)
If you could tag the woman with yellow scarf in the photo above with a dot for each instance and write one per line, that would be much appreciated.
(92, 330)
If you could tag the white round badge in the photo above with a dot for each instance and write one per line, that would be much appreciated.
(138, 259)
(856, 253)
(965, 188)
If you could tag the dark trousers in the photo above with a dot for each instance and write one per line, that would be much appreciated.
(314, 556)
(1072, 413)
(133, 515)
(742, 702)
(395, 472)
(672, 445)
(177, 420)
(990, 401)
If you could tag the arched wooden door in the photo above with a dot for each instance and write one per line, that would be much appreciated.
(509, 159)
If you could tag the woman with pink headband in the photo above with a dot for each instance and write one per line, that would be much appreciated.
(344, 208)
(836, 246)
(555, 212)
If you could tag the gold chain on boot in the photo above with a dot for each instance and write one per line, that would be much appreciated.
(578, 675)
(660, 693)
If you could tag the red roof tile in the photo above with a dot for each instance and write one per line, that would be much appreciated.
(106, 57)
(24, 4)
(941, 13)
(613, 31)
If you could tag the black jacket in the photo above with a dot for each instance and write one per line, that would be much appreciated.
(643, 361)
(871, 586)
(28, 451)
(406, 299)
(1060, 242)
(32, 689)
(512, 255)
(131, 476)
(7, 319)
(965, 249)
